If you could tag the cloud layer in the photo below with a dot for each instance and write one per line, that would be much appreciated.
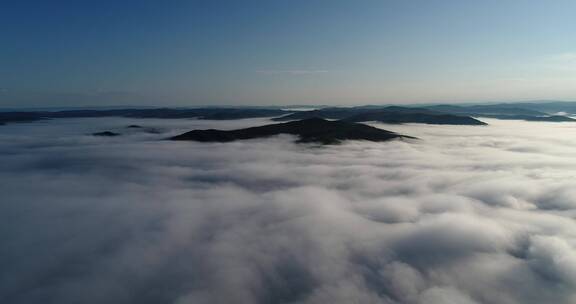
(465, 215)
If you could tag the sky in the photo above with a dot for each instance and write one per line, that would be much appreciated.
(176, 52)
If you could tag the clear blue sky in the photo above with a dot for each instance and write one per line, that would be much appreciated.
(179, 52)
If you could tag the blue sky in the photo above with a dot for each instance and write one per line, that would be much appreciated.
(177, 52)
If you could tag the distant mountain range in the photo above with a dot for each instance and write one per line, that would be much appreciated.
(313, 130)
(199, 113)
(434, 114)
(549, 107)
(391, 114)
(475, 110)
(437, 114)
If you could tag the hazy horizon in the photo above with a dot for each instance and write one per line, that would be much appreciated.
(135, 106)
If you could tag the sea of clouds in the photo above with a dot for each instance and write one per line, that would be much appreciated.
(463, 215)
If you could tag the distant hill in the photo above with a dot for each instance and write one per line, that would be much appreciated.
(548, 107)
(476, 110)
(106, 134)
(439, 114)
(313, 130)
(461, 114)
(551, 118)
(415, 117)
(326, 113)
(392, 114)
(199, 113)
(10, 117)
(519, 111)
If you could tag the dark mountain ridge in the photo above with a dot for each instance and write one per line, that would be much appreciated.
(438, 114)
(447, 114)
(551, 118)
(415, 117)
(501, 111)
(477, 110)
(199, 113)
(548, 107)
(313, 130)
(391, 114)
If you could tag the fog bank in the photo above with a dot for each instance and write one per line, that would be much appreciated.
(463, 215)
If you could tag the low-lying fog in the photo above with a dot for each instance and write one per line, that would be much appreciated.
(463, 215)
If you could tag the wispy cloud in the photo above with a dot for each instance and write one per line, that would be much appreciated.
(293, 72)
(565, 57)
(560, 62)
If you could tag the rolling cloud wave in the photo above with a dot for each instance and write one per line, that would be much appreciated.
(466, 215)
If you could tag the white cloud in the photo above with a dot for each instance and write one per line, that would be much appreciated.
(465, 215)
